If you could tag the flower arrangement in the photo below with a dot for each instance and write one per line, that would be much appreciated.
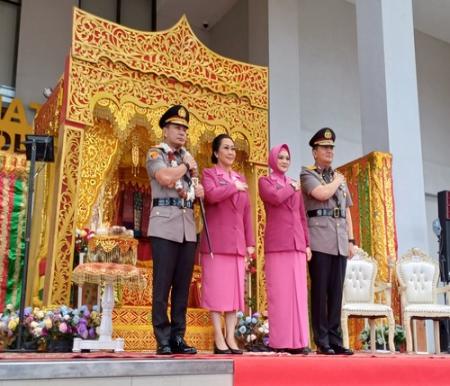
(43, 327)
(253, 331)
(382, 335)
(9, 321)
(82, 237)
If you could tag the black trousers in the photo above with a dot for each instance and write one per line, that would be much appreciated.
(173, 264)
(327, 273)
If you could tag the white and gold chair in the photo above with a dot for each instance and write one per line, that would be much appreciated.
(358, 298)
(418, 276)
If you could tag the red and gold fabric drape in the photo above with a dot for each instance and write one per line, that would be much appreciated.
(13, 209)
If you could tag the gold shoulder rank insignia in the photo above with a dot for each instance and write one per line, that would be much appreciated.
(311, 167)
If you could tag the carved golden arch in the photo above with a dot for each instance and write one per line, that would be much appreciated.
(128, 78)
(114, 124)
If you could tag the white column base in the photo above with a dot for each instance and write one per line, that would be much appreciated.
(116, 345)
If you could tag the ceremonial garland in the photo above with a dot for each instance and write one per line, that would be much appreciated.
(190, 193)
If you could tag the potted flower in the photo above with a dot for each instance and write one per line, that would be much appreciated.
(382, 336)
(252, 331)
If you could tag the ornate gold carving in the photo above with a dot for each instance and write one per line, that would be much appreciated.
(100, 146)
(174, 53)
(121, 96)
(134, 325)
(260, 224)
(62, 252)
(47, 121)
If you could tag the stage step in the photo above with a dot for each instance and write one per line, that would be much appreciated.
(101, 372)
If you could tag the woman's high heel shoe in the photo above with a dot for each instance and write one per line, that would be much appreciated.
(233, 350)
(219, 351)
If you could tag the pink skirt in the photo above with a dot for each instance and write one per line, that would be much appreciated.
(222, 282)
(287, 299)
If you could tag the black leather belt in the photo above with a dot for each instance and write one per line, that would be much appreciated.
(335, 213)
(172, 201)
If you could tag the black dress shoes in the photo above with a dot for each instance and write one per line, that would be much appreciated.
(179, 346)
(219, 351)
(299, 351)
(164, 349)
(339, 350)
(325, 350)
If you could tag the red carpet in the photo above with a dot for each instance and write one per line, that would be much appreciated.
(356, 370)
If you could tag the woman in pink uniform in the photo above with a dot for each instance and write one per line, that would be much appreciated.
(228, 216)
(286, 253)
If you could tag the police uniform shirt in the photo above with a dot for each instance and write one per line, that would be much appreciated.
(326, 233)
(168, 222)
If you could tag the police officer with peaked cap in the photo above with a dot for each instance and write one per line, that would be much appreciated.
(327, 201)
(172, 230)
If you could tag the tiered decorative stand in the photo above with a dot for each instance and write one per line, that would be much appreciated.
(110, 261)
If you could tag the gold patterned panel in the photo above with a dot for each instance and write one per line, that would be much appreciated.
(125, 94)
(175, 53)
(47, 121)
(134, 325)
(100, 148)
(61, 254)
(109, 205)
(40, 229)
(260, 170)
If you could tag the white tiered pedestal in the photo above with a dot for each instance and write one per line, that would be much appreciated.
(105, 341)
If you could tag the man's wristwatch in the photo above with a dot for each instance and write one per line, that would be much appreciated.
(351, 241)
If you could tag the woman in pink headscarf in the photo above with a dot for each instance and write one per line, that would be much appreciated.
(286, 253)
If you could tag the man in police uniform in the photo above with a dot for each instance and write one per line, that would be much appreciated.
(327, 202)
(172, 230)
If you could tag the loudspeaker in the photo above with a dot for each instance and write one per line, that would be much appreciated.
(444, 248)
(44, 147)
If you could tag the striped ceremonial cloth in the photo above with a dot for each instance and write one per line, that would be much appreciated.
(13, 201)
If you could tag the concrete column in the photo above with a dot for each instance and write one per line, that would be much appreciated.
(44, 42)
(390, 109)
(284, 78)
(257, 32)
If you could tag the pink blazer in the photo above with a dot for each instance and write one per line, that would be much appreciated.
(228, 215)
(286, 225)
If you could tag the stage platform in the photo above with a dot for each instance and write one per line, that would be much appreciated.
(250, 369)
